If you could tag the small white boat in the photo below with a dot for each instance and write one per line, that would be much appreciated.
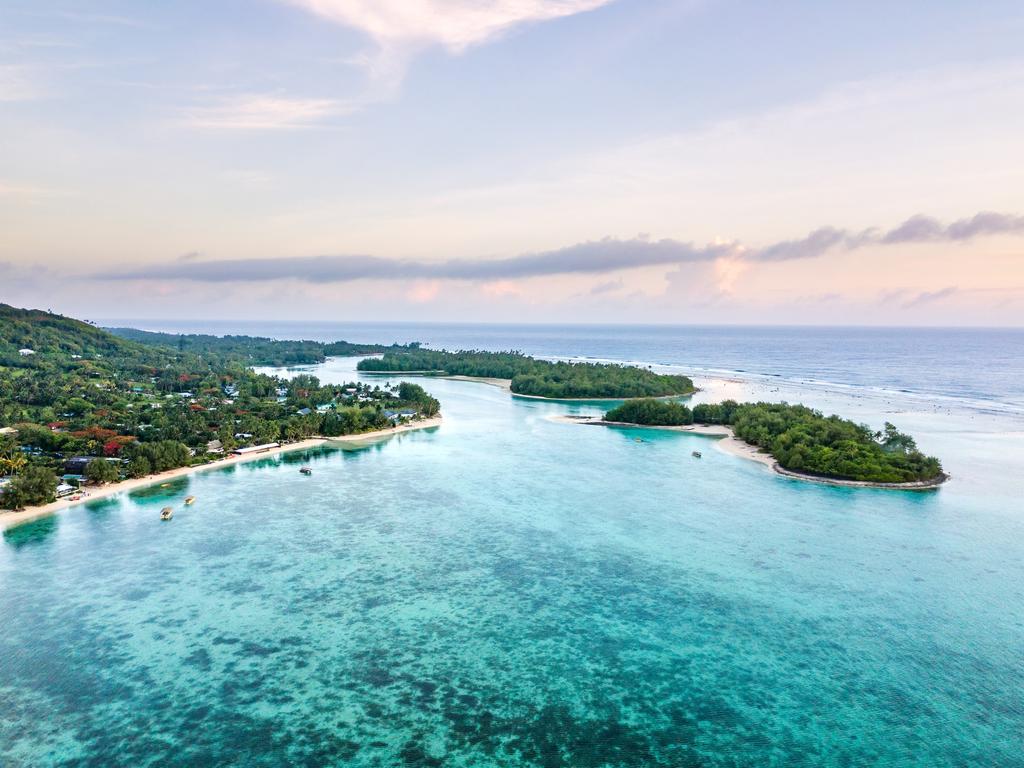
(166, 513)
(190, 500)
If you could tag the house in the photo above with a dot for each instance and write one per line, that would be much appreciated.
(26, 352)
(408, 413)
(65, 490)
(215, 446)
(8, 431)
(243, 435)
(77, 464)
(255, 449)
(303, 411)
(325, 408)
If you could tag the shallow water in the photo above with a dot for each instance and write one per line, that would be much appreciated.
(505, 590)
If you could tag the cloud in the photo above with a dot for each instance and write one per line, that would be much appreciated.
(262, 112)
(594, 257)
(591, 257)
(607, 287)
(400, 28)
(929, 297)
(453, 24)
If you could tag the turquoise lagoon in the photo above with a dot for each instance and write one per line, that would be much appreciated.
(505, 590)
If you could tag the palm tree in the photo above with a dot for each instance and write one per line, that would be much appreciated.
(11, 464)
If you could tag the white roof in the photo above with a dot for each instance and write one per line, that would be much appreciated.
(255, 448)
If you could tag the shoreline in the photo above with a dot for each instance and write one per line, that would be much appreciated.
(727, 442)
(12, 519)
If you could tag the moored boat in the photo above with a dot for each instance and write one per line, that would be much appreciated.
(189, 500)
(696, 454)
(166, 513)
(306, 471)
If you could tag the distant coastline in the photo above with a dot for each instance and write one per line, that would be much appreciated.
(12, 519)
(726, 441)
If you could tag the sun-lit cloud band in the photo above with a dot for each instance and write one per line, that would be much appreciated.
(592, 257)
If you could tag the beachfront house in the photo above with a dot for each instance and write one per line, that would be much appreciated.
(255, 449)
(215, 446)
(65, 490)
(76, 465)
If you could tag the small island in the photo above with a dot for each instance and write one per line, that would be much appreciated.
(83, 407)
(802, 442)
(530, 377)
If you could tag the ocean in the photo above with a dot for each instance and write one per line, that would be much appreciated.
(507, 590)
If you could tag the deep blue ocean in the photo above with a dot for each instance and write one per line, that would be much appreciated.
(508, 590)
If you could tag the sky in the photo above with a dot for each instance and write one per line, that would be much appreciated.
(576, 161)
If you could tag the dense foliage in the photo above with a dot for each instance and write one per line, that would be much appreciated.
(530, 376)
(253, 350)
(800, 439)
(69, 389)
(34, 485)
(663, 413)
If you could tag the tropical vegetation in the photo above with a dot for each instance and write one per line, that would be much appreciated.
(530, 376)
(130, 407)
(800, 439)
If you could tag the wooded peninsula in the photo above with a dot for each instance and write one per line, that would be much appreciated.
(530, 376)
(800, 439)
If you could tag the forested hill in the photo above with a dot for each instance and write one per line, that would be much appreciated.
(126, 407)
(49, 334)
(530, 376)
(252, 350)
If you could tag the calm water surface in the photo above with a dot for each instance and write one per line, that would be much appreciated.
(505, 590)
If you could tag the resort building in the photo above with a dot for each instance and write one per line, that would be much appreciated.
(255, 449)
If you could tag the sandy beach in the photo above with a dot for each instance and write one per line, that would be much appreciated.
(505, 384)
(727, 442)
(94, 493)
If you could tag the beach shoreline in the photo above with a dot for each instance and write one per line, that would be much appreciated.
(727, 442)
(12, 519)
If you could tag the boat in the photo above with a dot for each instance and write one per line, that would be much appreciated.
(166, 513)
(189, 500)
(306, 471)
(696, 454)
